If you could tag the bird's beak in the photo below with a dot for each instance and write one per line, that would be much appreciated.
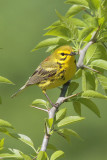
(72, 53)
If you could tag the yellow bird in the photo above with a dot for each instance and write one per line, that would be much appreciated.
(54, 71)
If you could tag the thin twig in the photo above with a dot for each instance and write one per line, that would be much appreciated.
(34, 158)
(88, 12)
(94, 70)
(42, 109)
(74, 95)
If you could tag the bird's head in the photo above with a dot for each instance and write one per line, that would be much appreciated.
(63, 54)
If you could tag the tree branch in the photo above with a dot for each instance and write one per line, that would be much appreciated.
(84, 50)
(82, 54)
(52, 115)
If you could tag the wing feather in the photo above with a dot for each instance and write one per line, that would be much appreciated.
(41, 74)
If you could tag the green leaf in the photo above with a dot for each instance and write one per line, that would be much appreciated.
(93, 94)
(54, 24)
(20, 137)
(90, 104)
(16, 154)
(1, 143)
(95, 51)
(62, 19)
(0, 101)
(77, 107)
(60, 114)
(72, 87)
(90, 21)
(106, 92)
(73, 10)
(40, 102)
(26, 157)
(94, 4)
(5, 124)
(49, 122)
(51, 146)
(4, 130)
(47, 42)
(65, 136)
(78, 2)
(102, 80)
(52, 48)
(5, 80)
(78, 22)
(59, 31)
(100, 63)
(69, 120)
(26, 140)
(57, 155)
(78, 74)
(103, 37)
(8, 155)
(66, 131)
(88, 80)
(50, 42)
(84, 33)
(101, 21)
(42, 155)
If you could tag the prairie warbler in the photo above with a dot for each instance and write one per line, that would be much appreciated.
(54, 71)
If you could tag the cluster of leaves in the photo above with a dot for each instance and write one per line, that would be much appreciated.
(77, 32)
(70, 30)
(60, 120)
(7, 128)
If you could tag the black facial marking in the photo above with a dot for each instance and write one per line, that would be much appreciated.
(75, 61)
(62, 54)
(63, 58)
(59, 63)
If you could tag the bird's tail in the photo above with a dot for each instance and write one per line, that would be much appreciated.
(18, 92)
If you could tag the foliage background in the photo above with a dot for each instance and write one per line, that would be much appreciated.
(21, 28)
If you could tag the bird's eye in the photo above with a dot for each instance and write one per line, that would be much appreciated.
(62, 54)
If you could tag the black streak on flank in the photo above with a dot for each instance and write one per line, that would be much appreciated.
(60, 65)
(62, 77)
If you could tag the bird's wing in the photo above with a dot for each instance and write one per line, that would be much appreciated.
(42, 73)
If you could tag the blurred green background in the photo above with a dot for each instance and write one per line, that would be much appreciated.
(21, 28)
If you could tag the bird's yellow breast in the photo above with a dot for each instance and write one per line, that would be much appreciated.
(65, 71)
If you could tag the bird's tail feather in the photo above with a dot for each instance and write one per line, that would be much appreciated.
(19, 91)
